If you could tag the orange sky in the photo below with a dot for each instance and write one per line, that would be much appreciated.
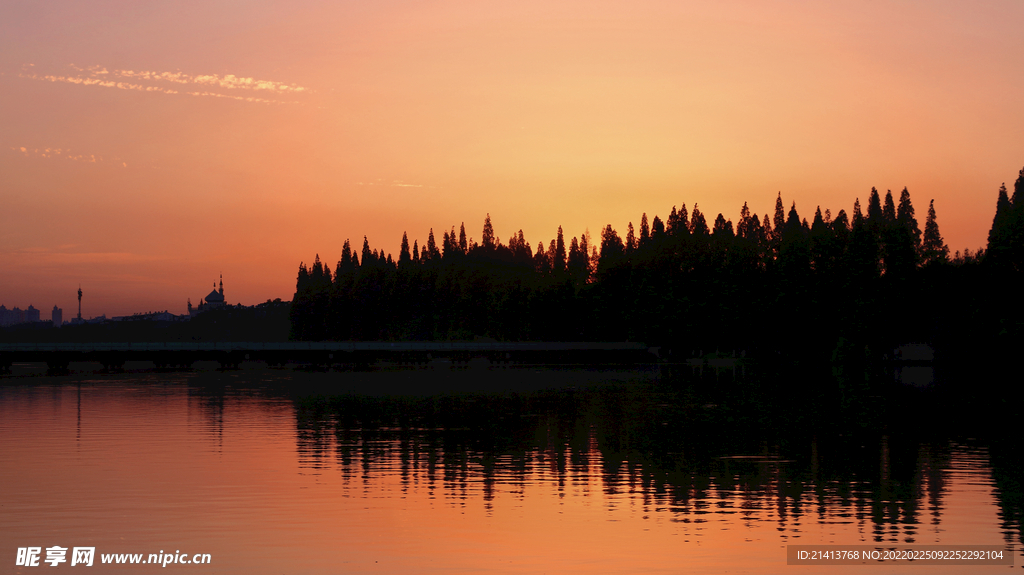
(189, 139)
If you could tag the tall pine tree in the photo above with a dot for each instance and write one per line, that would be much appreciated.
(933, 249)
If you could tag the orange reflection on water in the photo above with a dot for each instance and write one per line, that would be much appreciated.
(143, 463)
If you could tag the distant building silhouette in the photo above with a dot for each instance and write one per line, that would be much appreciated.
(11, 316)
(58, 316)
(18, 315)
(214, 300)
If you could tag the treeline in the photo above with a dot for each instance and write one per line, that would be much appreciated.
(871, 277)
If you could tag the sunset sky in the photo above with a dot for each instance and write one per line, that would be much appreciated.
(147, 147)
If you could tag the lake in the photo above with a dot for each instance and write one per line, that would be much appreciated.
(417, 471)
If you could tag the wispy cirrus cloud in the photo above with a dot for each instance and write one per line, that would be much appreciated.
(149, 81)
(229, 81)
(65, 153)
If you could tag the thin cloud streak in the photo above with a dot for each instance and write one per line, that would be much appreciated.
(229, 81)
(63, 153)
(97, 82)
(100, 76)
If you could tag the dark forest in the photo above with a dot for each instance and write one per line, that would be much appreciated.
(829, 286)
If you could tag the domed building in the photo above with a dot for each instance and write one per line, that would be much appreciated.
(213, 300)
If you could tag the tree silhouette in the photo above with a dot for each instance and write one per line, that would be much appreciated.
(487, 238)
(1016, 240)
(432, 252)
(779, 221)
(404, 255)
(823, 284)
(558, 263)
(933, 249)
(905, 215)
(1000, 236)
(698, 225)
(631, 243)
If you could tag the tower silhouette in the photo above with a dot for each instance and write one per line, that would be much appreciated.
(79, 301)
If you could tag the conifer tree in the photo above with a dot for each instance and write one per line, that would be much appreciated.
(841, 223)
(819, 241)
(900, 251)
(432, 252)
(579, 260)
(1017, 224)
(300, 309)
(487, 239)
(630, 239)
(1001, 234)
(743, 228)
(684, 220)
(793, 224)
(819, 220)
(447, 246)
(888, 209)
(520, 248)
(317, 273)
(863, 252)
(345, 265)
(1018, 190)
(672, 222)
(645, 230)
(698, 225)
(541, 262)
(558, 262)
(794, 265)
(463, 246)
(404, 255)
(934, 250)
(612, 249)
(905, 216)
(577, 264)
(755, 233)
(779, 220)
(367, 255)
(338, 267)
(874, 211)
(657, 228)
(722, 228)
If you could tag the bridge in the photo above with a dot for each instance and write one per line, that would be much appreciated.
(113, 355)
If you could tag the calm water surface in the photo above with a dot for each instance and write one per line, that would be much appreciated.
(611, 473)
